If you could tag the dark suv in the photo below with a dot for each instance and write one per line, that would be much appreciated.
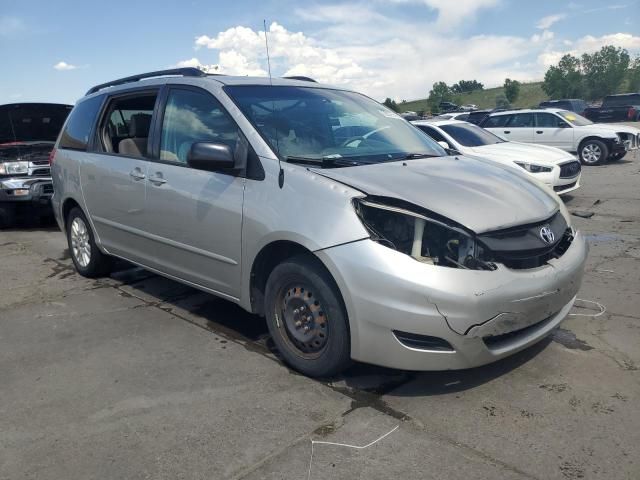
(28, 132)
(572, 104)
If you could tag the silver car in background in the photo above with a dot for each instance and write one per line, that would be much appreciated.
(352, 232)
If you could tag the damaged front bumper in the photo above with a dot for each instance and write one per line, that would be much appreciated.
(26, 190)
(409, 315)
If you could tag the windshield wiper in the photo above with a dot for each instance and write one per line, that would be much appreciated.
(322, 161)
(414, 156)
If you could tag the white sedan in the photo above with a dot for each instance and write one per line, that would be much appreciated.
(554, 167)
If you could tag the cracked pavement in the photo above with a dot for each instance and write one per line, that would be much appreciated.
(137, 376)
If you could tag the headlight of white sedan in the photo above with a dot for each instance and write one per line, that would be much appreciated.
(14, 168)
(533, 168)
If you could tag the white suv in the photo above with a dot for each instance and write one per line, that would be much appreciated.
(594, 143)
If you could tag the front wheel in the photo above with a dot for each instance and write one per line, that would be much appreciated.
(87, 258)
(306, 317)
(593, 152)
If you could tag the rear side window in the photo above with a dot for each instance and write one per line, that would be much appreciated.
(78, 128)
(497, 121)
(521, 120)
(622, 100)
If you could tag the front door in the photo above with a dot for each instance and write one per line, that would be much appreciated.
(194, 217)
(553, 131)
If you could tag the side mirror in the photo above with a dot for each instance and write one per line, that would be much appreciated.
(444, 145)
(563, 125)
(210, 156)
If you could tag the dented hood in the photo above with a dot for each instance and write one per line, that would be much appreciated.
(478, 194)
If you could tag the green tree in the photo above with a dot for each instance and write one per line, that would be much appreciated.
(633, 85)
(565, 79)
(604, 70)
(465, 86)
(502, 101)
(440, 92)
(391, 104)
(511, 89)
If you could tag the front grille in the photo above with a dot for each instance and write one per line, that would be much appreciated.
(523, 247)
(560, 188)
(40, 162)
(629, 140)
(41, 172)
(570, 170)
(48, 188)
(495, 342)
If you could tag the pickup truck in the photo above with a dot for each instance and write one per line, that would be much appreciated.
(616, 108)
(28, 132)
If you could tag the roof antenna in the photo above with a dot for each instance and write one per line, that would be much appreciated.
(273, 107)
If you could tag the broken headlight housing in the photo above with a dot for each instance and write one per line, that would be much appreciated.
(14, 168)
(427, 238)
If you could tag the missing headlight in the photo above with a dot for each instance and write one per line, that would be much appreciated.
(428, 240)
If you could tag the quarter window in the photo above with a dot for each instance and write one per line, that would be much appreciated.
(192, 117)
(78, 128)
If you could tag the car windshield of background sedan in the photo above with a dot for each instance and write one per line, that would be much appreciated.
(469, 135)
(575, 119)
(330, 127)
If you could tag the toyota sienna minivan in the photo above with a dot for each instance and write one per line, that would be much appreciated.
(353, 233)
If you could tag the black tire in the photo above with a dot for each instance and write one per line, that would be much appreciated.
(617, 156)
(593, 152)
(7, 215)
(302, 283)
(98, 263)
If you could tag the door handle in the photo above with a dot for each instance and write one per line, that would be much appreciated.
(539, 131)
(507, 131)
(137, 174)
(157, 179)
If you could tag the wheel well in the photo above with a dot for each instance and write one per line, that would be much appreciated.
(582, 142)
(269, 257)
(68, 204)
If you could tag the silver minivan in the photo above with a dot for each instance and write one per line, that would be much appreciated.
(353, 233)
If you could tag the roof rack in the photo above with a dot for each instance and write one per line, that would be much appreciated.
(184, 72)
(301, 78)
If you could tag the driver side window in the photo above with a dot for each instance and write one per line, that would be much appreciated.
(192, 117)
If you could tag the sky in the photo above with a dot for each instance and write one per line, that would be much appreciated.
(54, 51)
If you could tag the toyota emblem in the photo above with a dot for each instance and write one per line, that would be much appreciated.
(546, 234)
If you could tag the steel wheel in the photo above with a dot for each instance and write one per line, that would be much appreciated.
(80, 245)
(304, 321)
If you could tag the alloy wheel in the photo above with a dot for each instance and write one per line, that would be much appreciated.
(80, 246)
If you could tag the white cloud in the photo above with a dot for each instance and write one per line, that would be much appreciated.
(452, 13)
(546, 22)
(64, 66)
(590, 44)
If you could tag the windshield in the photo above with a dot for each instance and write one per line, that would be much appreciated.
(321, 124)
(575, 119)
(470, 135)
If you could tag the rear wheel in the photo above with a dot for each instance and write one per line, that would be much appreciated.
(593, 152)
(87, 258)
(306, 317)
(7, 215)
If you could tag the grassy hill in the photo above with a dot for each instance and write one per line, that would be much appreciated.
(531, 94)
